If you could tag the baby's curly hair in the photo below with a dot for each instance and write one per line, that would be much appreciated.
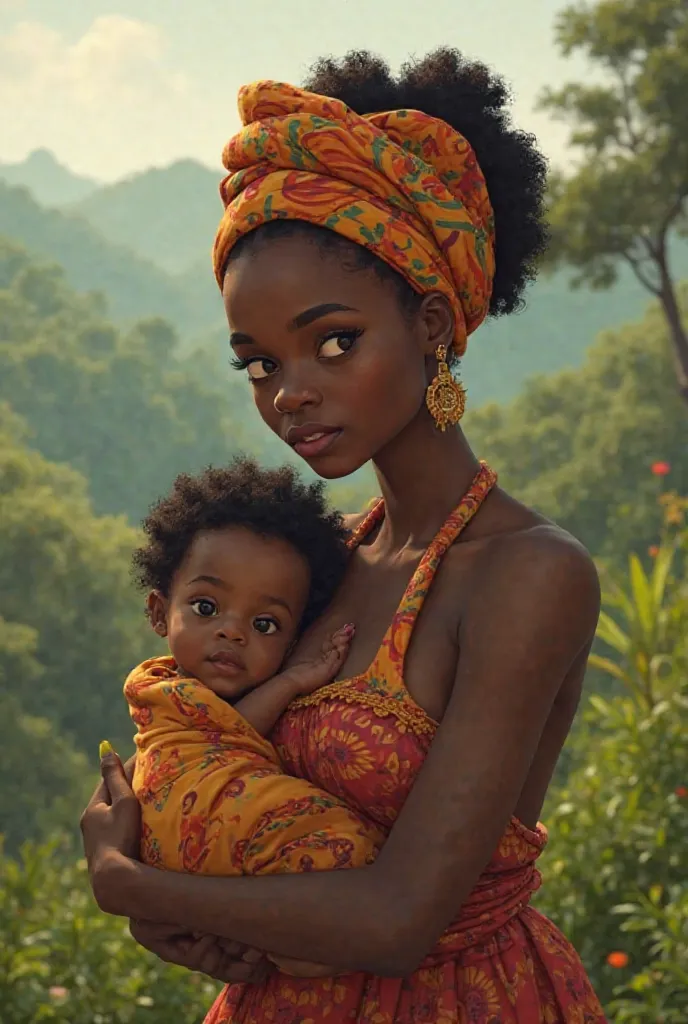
(269, 502)
(473, 100)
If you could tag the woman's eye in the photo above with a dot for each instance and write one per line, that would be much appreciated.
(265, 626)
(258, 369)
(338, 344)
(205, 608)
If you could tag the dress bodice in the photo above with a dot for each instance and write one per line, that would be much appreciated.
(364, 739)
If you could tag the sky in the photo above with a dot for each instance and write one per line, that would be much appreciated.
(116, 87)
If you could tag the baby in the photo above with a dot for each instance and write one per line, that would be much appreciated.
(238, 561)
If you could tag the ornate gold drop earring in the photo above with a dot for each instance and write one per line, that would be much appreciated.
(445, 397)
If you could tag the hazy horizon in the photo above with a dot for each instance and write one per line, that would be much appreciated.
(112, 89)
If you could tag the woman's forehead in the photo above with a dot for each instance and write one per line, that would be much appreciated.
(292, 276)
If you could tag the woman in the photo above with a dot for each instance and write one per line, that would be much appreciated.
(356, 255)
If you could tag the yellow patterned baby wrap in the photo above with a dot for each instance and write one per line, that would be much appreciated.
(214, 798)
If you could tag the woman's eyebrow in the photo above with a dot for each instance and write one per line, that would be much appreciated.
(300, 320)
(315, 312)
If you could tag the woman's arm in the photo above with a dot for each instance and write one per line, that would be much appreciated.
(532, 613)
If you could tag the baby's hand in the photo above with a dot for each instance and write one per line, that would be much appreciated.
(308, 676)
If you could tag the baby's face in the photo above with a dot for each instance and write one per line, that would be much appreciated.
(234, 608)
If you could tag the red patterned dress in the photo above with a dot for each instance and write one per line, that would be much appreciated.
(364, 740)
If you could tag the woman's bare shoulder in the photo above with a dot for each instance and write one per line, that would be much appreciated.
(510, 545)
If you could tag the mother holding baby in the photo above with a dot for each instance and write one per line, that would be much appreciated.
(370, 226)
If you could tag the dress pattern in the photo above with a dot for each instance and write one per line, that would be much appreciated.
(403, 184)
(364, 740)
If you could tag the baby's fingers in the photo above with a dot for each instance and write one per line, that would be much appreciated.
(344, 636)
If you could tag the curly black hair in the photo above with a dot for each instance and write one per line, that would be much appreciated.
(473, 99)
(269, 502)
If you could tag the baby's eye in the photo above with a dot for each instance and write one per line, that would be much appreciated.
(204, 607)
(338, 344)
(265, 625)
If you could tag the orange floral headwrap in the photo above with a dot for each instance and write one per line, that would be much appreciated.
(404, 185)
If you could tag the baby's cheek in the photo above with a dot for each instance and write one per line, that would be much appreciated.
(273, 657)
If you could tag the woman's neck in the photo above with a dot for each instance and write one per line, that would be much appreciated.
(423, 475)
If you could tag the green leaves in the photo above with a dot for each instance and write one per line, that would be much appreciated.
(631, 125)
(62, 960)
(614, 873)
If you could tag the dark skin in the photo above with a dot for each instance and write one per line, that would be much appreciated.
(242, 594)
(507, 628)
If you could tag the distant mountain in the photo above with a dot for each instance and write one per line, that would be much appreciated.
(134, 286)
(169, 215)
(46, 178)
(146, 242)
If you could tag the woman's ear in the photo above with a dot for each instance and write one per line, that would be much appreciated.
(156, 604)
(436, 323)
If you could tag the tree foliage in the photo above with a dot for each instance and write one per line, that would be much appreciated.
(62, 960)
(630, 126)
(120, 406)
(580, 445)
(615, 869)
(73, 625)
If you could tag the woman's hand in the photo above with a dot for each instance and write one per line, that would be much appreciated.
(302, 968)
(220, 959)
(111, 823)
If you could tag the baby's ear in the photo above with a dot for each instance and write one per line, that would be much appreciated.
(156, 605)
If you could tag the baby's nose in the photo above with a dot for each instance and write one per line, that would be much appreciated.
(231, 630)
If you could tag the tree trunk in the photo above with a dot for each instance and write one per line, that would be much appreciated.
(677, 330)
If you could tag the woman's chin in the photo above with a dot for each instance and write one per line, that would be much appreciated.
(335, 467)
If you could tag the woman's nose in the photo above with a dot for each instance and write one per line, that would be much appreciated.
(295, 394)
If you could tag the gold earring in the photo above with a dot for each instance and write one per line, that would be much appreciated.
(445, 397)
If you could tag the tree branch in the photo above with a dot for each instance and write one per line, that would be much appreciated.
(640, 273)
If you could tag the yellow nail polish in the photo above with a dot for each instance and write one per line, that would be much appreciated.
(105, 748)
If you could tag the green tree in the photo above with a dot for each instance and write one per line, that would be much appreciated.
(119, 406)
(580, 445)
(630, 127)
(76, 624)
(615, 877)
(62, 960)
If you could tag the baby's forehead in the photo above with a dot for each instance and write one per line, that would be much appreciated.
(237, 557)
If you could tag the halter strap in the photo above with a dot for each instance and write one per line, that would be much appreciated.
(398, 635)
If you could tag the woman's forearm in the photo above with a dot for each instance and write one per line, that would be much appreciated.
(347, 919)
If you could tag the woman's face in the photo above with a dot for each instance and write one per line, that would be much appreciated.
(337, 369)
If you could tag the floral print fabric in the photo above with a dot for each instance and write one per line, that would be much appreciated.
(364, 740)
(214, 797)
(403, 184)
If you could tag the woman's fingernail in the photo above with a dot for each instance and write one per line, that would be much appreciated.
(350, 628)
(105, 748)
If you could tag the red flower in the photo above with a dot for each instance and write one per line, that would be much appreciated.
(653, 550)
(681, 792)
(660, 468)
(618, 959)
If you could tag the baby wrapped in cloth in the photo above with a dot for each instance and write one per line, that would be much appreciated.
(237, 561)
(214, 798)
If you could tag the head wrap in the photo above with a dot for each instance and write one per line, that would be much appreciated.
(403, 184)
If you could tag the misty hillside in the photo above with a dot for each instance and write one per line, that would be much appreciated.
(47, 179)
(140, 229)
(168, 215)
(134, 286)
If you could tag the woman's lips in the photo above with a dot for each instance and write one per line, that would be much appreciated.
(310, 439)
(316, 443)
